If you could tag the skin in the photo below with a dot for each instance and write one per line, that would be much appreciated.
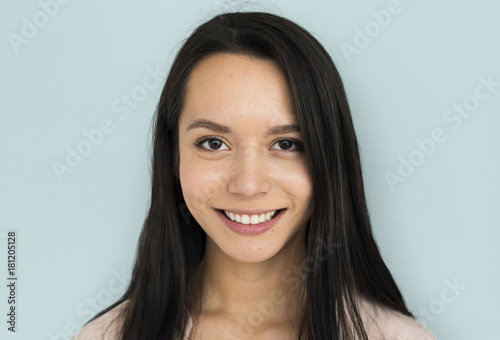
(249, 169)
(243, 277)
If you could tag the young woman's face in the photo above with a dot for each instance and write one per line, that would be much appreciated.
(240, 155)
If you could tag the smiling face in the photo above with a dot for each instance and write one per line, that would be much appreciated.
(243, 173)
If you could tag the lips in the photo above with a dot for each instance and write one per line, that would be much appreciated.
(249, 228)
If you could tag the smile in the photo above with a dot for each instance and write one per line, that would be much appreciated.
(251, 219)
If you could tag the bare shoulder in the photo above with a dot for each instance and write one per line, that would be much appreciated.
(106, 327)
(383, 323)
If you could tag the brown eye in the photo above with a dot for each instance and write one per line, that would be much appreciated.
(288, 145)
(285, 144)
(212, 144)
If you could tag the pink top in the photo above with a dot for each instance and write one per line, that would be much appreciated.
(380, 323)
(107, 326)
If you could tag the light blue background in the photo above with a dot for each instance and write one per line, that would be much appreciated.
(77, 236)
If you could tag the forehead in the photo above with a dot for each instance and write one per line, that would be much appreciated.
(224, 85)
(232, 65)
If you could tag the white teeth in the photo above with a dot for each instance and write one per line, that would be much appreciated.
(250, 219)
(245, 219)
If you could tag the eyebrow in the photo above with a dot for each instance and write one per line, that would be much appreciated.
(216, 127)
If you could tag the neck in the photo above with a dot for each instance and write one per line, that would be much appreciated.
(240, 289)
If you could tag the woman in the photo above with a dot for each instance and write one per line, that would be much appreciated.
(258, 226)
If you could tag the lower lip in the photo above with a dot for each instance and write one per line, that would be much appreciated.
(250, 229)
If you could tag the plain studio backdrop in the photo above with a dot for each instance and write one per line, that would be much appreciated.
(78, 88)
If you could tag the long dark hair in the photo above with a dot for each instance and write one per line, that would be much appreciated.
(172, 243)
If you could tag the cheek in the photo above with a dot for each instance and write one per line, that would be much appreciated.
(302, 184)
(297, 181)
(191, 177)
(202, 181)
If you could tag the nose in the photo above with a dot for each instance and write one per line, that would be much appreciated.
(250, 176)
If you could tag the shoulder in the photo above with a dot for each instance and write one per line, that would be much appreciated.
(106, 327)
(383, 323)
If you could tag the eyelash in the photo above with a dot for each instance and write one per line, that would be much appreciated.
(299, 146)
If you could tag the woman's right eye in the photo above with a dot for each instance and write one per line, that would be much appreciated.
(212, 144)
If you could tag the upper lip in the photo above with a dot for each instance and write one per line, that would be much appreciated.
(250, 211)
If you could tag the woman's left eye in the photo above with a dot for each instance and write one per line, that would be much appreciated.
(288, 145)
